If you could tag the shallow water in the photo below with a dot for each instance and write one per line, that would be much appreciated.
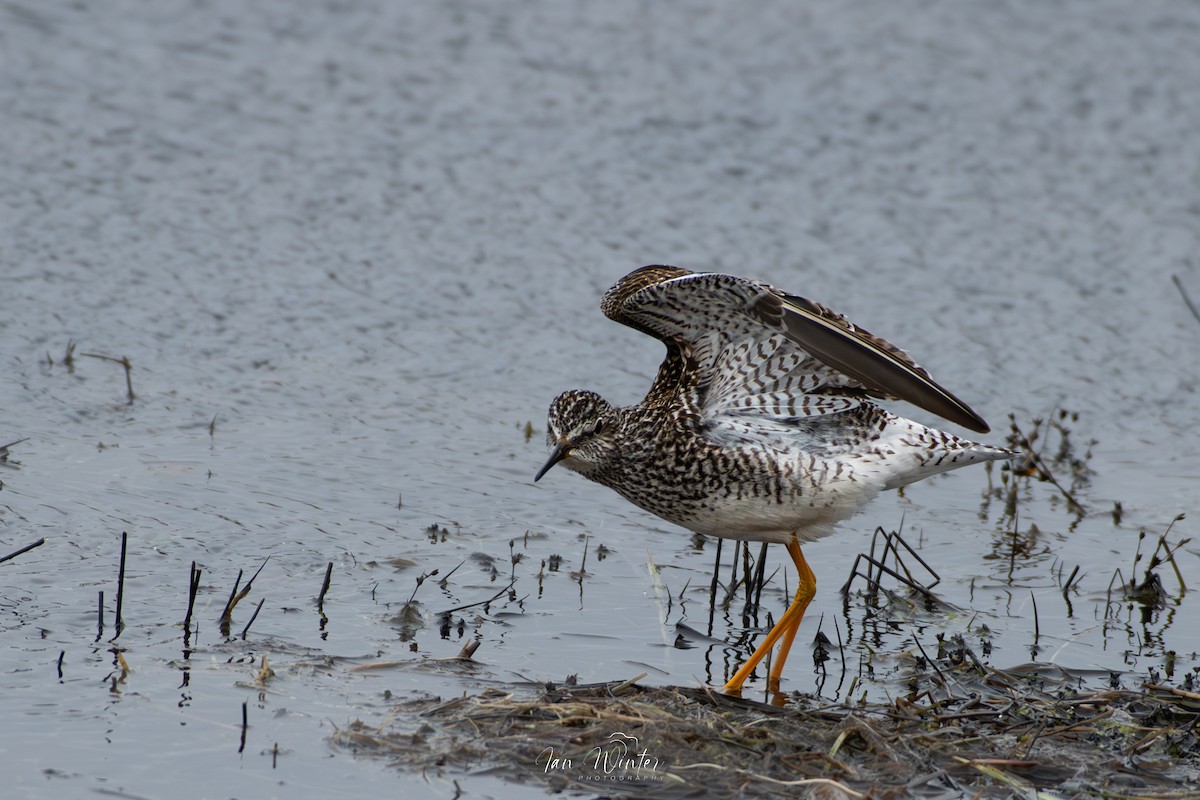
(352, 250)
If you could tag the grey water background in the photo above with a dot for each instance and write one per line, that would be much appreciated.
(364, 243)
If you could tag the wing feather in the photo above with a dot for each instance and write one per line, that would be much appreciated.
(755, 345)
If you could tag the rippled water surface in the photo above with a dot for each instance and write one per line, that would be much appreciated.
(351, 251)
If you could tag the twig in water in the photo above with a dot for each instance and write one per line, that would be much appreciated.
(1137, 556)
(514, 558)
(227, 614)
(4, 450)
(1117, 579)
(749, 581)
(100, 617)
(1037, 629)
(1070, 578)
(841, 651)
(193, 588)
(758, 576)
(733, 575)
(890, 542)
(324, 587)
(61, 655)
(236, 597)
(121, 585)
(505, 590)
(1191, 306)
(932, 663)
(245, 725)
(253, 617)
(712, 589)
(1170, 551)
(873, 583)
(583, 563)
(24, 549)
(124, 362)
(420, 579)
(1067, 588)
(442, 583)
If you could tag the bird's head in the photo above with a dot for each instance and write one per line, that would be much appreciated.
(581, 431)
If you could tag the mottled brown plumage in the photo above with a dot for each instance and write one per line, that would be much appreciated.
(759, 424)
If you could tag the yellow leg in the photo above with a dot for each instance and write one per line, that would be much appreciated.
(786, 627)
(804, 594)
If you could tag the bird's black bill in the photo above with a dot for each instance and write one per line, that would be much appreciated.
(556, 455)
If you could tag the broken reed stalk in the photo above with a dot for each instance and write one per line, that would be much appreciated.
(841, 647)
(61, 655)
(748, 579)
(68, 357)
(932, 663)
(712, 589)
(253, 617)
(100, 617)
(891, 540)
(124, 362)
(869, 557)
(1170, 552)
(325, 587)
(4, 448)
(759, 576)
(236, 597)
(121, 586)
(227, 614)
(876, 568)
(245, 725)
(24, 549)
(733, 576)
(446, 577)
(193, 588)
(1070, 578)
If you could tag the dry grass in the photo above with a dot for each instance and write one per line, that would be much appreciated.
(970, 732)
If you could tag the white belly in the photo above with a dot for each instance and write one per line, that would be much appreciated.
(762, 519)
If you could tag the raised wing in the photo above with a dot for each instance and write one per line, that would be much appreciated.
(763, 351)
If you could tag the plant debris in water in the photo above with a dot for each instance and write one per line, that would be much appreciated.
(971, 731)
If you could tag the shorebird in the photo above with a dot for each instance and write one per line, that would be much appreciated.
(760, 424)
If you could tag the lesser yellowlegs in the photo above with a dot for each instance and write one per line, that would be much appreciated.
(760, 424)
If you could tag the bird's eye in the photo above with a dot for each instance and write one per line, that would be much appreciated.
(598, 427)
